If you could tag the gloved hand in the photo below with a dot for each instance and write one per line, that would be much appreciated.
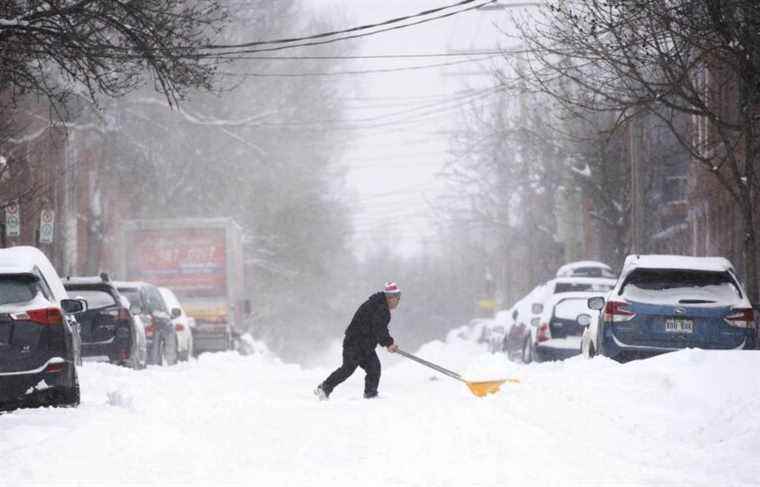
(393, 348)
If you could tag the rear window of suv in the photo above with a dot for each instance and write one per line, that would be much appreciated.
(18, 289)
(690, 286)
(96, 298)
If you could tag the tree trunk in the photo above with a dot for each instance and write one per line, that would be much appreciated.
(750, 253)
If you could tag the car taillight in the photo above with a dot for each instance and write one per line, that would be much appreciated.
(544, 333)
(741, 318)
(45, 316)
(617, 311)
(54, 368)
(179, 327)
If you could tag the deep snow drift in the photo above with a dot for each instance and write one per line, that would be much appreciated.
(690, 418)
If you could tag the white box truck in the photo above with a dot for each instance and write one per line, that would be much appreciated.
(201, 260)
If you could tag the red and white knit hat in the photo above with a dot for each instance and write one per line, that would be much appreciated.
(392, 289)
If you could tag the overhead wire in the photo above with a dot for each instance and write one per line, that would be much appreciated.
(335, 33)
(351, 72)
(434, 109)
(377, 56)
(233, 53)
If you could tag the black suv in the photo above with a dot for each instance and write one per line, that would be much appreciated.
(108, 330)
(39, 336)
(146, 302)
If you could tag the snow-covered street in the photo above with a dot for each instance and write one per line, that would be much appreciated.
(687, 418)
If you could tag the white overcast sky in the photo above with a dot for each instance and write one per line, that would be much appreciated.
(392, 167)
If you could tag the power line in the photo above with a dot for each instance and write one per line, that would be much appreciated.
(232, 54)
(334, 33)
(429, 111)
(356, 72)
(377, 56)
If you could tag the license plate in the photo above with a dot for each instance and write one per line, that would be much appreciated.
(679, 326)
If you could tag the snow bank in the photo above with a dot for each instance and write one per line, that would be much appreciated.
(687, 418)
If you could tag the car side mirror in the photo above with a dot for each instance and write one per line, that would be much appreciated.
(135, 309)
(176, 312)
(596, 303)
(537, 308)
(584, 319)
(73, 306)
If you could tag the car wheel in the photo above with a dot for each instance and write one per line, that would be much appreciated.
(527, 352)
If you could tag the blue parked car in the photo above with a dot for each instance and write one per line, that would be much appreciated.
(662, 303)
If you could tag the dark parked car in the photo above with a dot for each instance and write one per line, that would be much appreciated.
(39, 336)
(109, 331)
(146, 302)
(667, 302)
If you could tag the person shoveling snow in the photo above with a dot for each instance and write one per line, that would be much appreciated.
(368, 328)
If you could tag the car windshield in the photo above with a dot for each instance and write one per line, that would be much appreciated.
(18, 289)
(680, 286)
(96, 298)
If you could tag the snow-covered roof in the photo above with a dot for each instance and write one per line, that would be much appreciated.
(567, 269)
(23, 259)
(679, 262)
(129, 284)
(584, 280)
(84, 280)
(576, 295)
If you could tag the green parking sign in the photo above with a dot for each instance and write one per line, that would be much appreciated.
(13, 220)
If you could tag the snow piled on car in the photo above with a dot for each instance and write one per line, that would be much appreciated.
(685, 418)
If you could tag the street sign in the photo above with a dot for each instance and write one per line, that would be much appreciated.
(47, 226)
(13, 220)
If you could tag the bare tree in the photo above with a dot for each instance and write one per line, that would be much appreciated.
(57, 48)
(668, 59)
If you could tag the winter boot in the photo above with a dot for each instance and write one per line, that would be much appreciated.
(370, 395)
(321, 394)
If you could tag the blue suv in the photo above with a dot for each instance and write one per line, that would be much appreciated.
(662, 303)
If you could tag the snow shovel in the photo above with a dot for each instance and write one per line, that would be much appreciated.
(480, 388)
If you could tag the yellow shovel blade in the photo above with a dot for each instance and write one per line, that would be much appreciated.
(483, 388)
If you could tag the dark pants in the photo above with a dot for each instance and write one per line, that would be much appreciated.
(353, 358)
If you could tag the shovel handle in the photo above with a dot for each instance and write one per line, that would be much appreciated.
(433, 366)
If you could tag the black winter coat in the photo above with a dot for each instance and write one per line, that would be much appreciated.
(370, 325)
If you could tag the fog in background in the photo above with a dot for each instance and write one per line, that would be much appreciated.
(387, 169)
(415, 155)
